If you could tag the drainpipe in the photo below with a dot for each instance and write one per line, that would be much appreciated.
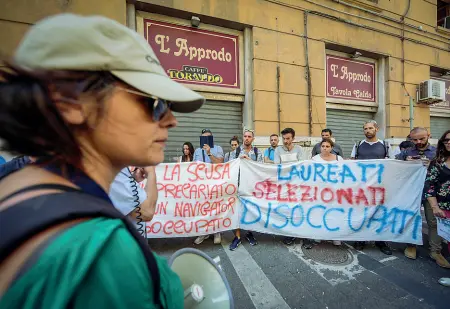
(131, 16)
(308, 76)
(411, 113)
(278, 99)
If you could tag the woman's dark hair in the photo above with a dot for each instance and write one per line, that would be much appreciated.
(234, 138)
(327, 140)
(185, 158)
(441, 152)
(29, 119)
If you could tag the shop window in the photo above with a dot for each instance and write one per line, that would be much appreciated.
(443, 13)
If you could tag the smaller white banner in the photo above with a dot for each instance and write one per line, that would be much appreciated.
(443, 227)
(195, 198)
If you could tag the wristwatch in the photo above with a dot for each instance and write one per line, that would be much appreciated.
(210, 154)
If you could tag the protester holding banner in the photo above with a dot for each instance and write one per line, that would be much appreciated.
(213, 155)
(246, 152)
(327, 155)
(437, 191)
(289, 153)
(269, 154)
(327, 134)
(234, 143)
(188, 153)
(326, 152)
(371, 148)
(88, 97)
(423, 151)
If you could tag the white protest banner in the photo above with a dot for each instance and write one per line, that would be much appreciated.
(443, 228)
(347, 200)
(195, 198)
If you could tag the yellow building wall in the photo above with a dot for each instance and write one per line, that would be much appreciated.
(16, 16)
(279, 41)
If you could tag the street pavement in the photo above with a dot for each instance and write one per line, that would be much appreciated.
(272, 275)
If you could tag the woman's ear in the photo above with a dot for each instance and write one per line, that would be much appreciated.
(72, 112)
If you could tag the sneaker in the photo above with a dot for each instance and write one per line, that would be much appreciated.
(288, 240)
(411, 252)
(440, 259)
(251, 239)
(235, 243)
(337, 242)
(383, 246)
(200, 239)
(217, 239)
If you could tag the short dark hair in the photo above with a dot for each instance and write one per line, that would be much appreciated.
(327, 130)
(287, 131)
(406, 144)
(327, 140)
(274, 135)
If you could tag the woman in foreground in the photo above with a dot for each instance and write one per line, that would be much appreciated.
(88, 97)
(437, 184)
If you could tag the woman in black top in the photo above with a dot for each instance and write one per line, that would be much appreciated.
(437, 184)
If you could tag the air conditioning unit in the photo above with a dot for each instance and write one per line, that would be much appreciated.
(431, 91)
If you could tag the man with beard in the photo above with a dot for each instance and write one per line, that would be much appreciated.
(247, 152)
(371, 148)
(425, 152)
(269, 154)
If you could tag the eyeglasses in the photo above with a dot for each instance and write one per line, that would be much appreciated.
(157, 107)
(446, 140)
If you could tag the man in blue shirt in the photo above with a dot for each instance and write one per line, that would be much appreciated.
(269, 154)
(425, 152)
(207, 154)
(212, 155)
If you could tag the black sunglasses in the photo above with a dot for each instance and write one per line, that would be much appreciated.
(157, 107)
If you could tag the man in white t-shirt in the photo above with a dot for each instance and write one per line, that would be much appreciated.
(289, 152)
(132, 200)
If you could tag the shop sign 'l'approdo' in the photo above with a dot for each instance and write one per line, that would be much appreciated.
(349, 79)
(195, 56)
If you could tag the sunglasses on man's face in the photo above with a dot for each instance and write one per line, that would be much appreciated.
(157, 107)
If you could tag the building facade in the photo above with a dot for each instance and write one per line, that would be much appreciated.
(269, 64)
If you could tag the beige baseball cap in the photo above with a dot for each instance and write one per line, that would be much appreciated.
(96, 43)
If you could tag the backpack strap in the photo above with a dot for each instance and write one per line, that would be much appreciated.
(47, 210)
(386, 149)
(357, 148)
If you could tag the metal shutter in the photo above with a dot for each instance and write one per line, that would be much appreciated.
(347, 127)
(438, 126)
(224, 119)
